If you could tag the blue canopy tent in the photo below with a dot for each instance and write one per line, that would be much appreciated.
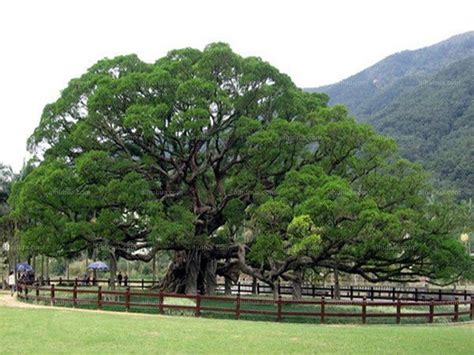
(98, 265)
(23, 267)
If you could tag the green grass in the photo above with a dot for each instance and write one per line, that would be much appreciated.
(61, 330)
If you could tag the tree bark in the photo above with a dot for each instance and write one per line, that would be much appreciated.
(297, 291)
(274, 287)
(210, 282)
(227, 286)
(193, 266)
(174, 280)
(337, 288)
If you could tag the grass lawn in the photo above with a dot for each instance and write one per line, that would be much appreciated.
(62, 330)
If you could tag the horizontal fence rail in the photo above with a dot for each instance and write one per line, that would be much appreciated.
(239, 305)
(354, 292)
(246, 288)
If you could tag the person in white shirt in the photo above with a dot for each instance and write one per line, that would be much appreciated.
(11, 282)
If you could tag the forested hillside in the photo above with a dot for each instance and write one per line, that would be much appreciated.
(434, 124)
(424, 99)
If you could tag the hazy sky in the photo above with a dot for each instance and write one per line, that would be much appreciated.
(46, 43)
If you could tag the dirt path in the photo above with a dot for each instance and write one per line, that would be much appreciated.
(11, 302)
(8, 301)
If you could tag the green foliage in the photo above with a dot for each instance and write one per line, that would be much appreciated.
(195, 150)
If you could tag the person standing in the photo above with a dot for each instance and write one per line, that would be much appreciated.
(11, 282)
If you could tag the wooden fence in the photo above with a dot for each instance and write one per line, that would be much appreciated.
(348, 292)
(129, 299)
(356, 292)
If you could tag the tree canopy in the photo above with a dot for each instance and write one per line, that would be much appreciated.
(223, 160)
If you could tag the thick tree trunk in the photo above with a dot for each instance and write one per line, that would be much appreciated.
(210, 282)
(337, 288)
(227, 286)
(174, 280)
(193, 267)
(297, 291)
(274, 287)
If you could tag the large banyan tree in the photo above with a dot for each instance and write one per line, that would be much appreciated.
(225, 162)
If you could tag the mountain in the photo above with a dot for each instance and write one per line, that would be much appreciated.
(425, 100)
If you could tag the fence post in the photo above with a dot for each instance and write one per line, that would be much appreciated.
(160, 302)
(75, 282)
(48, 281)
(456, 309)
(99, 297)
(279, 288)
(440, 296)
(143, 284)
(352, 292)
(332, 291)
(60, 281)
(465, 295)
(393, 294)
(416, 294)
(430, 319)
(313, 290)
(279, 308)
(371, 293)
(258, 288)
(37, 293)
(237, 306)
(364, 310)
(399, 310)
(127, 299)
(74, 296)
(323, 309)
(52, 295)
(238, 288)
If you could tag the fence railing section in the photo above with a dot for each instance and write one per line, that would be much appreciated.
(354, 292)
(246, 288)
(239, 305)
